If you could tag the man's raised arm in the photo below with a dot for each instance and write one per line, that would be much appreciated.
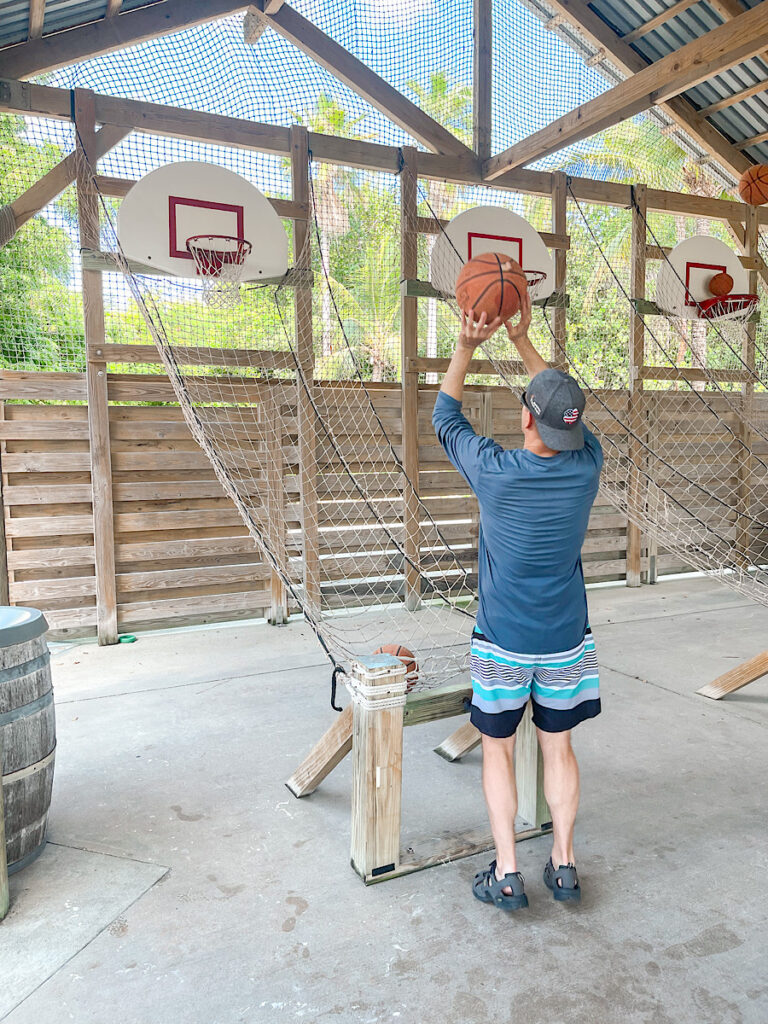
(519, 336)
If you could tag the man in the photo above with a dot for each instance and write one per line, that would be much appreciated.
(532, 638)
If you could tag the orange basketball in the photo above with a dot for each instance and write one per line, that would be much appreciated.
(753, 185)
(491, 283)
(407, 658)
(720, 284)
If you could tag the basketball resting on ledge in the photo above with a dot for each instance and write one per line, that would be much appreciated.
(753, 185)
(721, 284)
(491, 283)
(407, 658)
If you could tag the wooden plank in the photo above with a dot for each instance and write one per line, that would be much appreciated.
(461, 742)
(660, 19)
(5, 900)
(6, 545)
(482, 72)
(275, 502)
(599, 34)
(105, 36)
(708, 55)
(737, 97)
(560, 227)
(692, 373)
(176, 122)
(205, 608)
(377, 767)
(96, 381)
(200, 355)
(409, 343)
(424, 364)
(433, 705)
(529, 774)
(36, 18)
(306, 416)
(740, 676)
(636, 410)
(43, 385)
(329, 751)
(120, 187)
(360, 78)
(746, 434)
(413, 288)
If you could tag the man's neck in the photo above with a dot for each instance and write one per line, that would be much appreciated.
(537, 447)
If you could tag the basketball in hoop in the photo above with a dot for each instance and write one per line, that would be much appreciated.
(219, 261)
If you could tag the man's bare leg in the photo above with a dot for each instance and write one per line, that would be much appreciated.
(500, 791)
(561, 789)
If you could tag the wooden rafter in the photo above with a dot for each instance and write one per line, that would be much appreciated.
(601, 36)
(482, 70)
(754, 140)
(660, 19)
(31, 99)
(372, 87)
(737, 97)
(36, 18)
(75, 44)
(716, 51)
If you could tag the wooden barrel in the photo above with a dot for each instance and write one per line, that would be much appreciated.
(27, 732)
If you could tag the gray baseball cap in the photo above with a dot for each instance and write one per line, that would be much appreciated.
(557, 402)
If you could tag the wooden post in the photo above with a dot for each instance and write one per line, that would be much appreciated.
(5, 541)
(4, 894)
(275, 504)
(482, 69)
(529, 773)
(746, 461)
(410, 378)
(560, 227)
(306, 419)
(636, 362)
(96, 379)
(378, 693)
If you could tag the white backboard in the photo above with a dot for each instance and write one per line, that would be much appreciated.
(683, 278)
(176, 201)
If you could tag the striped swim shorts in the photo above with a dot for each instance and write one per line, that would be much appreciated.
(563, 688)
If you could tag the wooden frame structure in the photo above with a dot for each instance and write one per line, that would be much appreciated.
(372, 726)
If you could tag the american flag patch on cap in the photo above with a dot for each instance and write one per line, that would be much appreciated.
(570, 416)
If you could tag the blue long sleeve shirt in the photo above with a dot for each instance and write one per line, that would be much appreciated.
(534, 512)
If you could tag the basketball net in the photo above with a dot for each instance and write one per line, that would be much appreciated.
(219, 260)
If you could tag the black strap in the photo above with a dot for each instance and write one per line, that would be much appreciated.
(336, 672)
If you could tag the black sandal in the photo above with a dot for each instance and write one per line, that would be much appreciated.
(488, 889)
(564, 882)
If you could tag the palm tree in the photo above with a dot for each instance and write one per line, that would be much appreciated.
(450, 104)
(638, 150)
(328, 118)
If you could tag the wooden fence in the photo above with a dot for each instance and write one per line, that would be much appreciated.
(181, 552)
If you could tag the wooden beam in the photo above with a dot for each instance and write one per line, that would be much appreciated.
(716, 51)
(120, 187)
(107, 35)
(96, 382)
(409, 345)
(600, 35)
(737, 677)
(46, 101)
(635, 486)
(482, 70)
(754, 140)
(660, 19)
(113, 8)
(737, 97)
(61, 176)
(348, 69)
(36, 18)
(330, 750)
(5, 900)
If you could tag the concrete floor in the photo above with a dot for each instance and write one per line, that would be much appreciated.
(183, 884)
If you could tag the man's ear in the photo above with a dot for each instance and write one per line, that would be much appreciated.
(527, 418)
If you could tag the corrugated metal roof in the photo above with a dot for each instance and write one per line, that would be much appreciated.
(742, 120)
(59, 15)
(739, 122)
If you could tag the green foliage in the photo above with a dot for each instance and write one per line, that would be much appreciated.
(41, 325)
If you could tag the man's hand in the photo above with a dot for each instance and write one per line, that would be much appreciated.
(518, 335)
(519, 331)
(474, 334)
